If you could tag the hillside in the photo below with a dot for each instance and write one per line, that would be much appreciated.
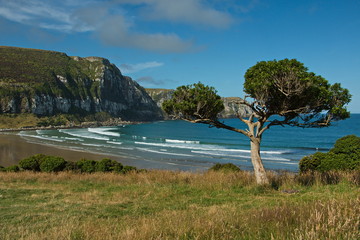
(47, 83)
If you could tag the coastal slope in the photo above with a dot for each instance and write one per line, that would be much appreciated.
(46, 83)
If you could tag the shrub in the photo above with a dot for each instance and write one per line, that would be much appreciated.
(108, 165)
(312, 162)
(71, 166)
(52, 164)
(14, 168)
(2, 169)
(225, 167)
(86, 165)
(347, 144)
(32, 163)
(344, 156)
(127, 169)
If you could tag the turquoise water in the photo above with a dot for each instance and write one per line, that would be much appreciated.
(179, 145)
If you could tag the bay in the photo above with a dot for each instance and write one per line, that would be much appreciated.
(179, 145)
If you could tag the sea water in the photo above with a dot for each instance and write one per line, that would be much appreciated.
(179, 145)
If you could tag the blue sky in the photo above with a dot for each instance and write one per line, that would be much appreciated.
(168, 43)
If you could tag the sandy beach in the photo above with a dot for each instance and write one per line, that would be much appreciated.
(13, 148)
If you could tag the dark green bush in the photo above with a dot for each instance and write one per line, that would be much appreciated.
(225, 167)
(347, 144)
(52, 164)
(32, 163)
(344, 156)
(71, 166)
(14, 168)
(86, 165)
(127, 169)
(2, 169)
(108, 165)
(312, 162)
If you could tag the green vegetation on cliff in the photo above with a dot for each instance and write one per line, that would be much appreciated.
(30, 71)
(48, 83)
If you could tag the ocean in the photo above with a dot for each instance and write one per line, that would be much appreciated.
(180, 145)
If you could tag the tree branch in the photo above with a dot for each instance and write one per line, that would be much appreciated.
(217, 124)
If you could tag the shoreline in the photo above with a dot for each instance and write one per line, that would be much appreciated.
(14, 148)
(82, 125)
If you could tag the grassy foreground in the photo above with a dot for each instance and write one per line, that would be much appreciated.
(178, 205)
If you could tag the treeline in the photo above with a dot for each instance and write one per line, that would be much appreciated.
(46, 163)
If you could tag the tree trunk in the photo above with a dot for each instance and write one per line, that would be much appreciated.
(259, 169)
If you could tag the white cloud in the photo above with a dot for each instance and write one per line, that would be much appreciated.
(114, 24)
(131, 68)
(187, 11)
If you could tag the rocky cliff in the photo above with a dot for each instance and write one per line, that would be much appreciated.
(46, 83)
(232, 108)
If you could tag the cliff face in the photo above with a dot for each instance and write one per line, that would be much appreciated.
(46, 83)
(232, 108)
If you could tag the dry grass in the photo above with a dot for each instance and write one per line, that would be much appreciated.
(177, 205)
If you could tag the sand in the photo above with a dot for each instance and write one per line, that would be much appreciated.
(13, 148)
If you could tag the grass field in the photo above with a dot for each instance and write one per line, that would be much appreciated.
(178, 205)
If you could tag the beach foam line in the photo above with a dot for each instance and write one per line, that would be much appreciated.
(104, 131)
(181, 141)
(113, 142)
(83, 136)
(92, 145)
(43, 138)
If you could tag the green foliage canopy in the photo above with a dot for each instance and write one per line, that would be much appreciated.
(286, 88)
(195, 101)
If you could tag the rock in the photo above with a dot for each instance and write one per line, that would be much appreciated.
(51, 83)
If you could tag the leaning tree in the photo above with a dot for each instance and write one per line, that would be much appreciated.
(282, 93)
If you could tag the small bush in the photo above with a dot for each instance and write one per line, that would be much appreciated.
(32, 163)
(52, 164)
(86, 165)
(311, 163)
(108, 165)
(226, 167)
(344, 156)
(71, 166)
(2, 169)
(347, 144)
(127, 169)
(14, 168)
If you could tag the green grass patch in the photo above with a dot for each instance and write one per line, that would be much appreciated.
(174, 205)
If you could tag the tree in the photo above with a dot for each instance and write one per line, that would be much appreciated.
(282, 93)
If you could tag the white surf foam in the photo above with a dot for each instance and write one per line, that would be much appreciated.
(113, 142)
(92, 136)
(42, 137)
(181, 141)
(104, 131)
